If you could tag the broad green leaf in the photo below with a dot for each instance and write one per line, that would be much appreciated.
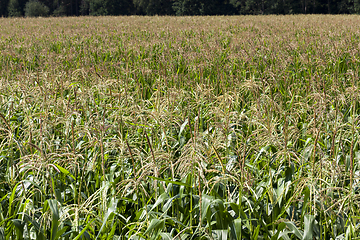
(220, 234)
(205, 206)
(12, 199)
(280, 191)
(160, 200)
(306, 199)
(350, 233)
(308, 227)
(111, 210)
(235, 229)
(19, 227)
(55, 217)
(298, 233)
(235, 207)
(155, 224)
(38, 230)
(256, 232)
(182, 127)
(64, 171)
(112, 232)
(166, 236)
(84, 230)
(2, 233)
(61, 232)
(284, 235)
(169, 203)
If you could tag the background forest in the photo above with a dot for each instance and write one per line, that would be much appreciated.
(17, 8)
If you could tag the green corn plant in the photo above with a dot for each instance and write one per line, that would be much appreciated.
(226, 127)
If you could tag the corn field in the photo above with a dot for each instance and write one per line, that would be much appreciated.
(139, 128)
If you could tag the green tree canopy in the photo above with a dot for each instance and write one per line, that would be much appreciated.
(14, 8)
(177, 7)
(35, 8)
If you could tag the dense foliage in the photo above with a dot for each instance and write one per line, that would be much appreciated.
(15, 8)
(180, 128)
(34, 8)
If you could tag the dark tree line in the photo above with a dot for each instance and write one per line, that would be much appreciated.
(174, 7)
